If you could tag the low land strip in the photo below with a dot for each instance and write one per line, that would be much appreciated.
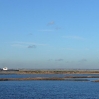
(39, 78)
(78, 77)
(51, 72)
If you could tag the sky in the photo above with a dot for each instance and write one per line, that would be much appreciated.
(50, 34)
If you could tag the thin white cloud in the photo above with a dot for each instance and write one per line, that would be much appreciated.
(45, 30)
(86, 49)
(26, 44)
(68, 49)
(74, 37)
(51, 23)
(19, 45)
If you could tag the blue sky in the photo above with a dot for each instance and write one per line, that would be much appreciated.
(49, 34)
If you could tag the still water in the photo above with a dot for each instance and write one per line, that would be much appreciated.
(43, 75)
(49, 90)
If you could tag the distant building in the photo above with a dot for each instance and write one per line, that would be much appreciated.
(5, 68)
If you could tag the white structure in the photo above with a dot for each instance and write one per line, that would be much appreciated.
(5, 68)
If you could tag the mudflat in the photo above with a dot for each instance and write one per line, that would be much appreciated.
(50, 72)
(67, 78)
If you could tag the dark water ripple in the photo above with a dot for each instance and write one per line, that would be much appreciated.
(48, 90)
(43, 75)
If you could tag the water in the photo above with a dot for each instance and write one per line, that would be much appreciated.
(48, 90)
(43, 75)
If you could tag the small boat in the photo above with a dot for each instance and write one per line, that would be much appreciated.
(5, 68)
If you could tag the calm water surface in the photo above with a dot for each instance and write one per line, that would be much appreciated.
(43, 75)
(48, 90)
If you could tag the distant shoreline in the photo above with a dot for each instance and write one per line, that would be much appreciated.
(49, 72)
(48, 79)
(77, 77)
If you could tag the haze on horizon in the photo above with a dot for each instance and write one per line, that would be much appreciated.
(49, 34)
